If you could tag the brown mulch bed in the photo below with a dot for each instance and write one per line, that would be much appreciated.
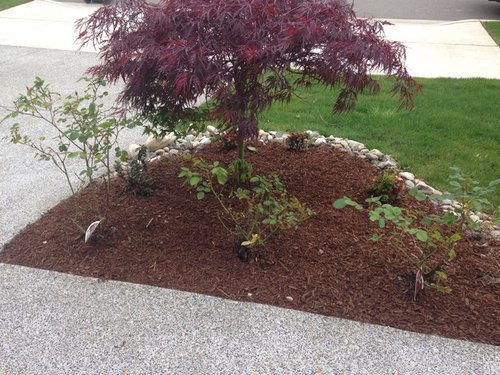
(327, 266)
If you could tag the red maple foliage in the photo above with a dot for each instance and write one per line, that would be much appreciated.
(240, 53)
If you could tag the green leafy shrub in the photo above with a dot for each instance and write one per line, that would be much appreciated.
(470, 197)
(267, 207)
(423, 240)
(298, 141)
(428, 242)
(387, 185)
(84, 130)
(134, 174)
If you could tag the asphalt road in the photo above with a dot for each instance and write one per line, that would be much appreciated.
(445, 10)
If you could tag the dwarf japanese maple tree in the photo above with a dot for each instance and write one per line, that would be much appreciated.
(239, 53)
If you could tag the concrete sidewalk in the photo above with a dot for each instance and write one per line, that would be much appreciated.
(52, 323)
(44, 24)
(461, 49)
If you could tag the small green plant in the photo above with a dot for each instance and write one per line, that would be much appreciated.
(423, 240)
(267, 207)
(387, 185)
(240, 170)
(428, 242)
(134, 174)
(297, 141)
(83, 129)
(470, 197)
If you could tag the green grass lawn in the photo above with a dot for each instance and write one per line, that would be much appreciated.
(493, 28)
(456, 122)
(4, 4)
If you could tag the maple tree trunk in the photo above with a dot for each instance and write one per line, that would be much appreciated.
(241, 149)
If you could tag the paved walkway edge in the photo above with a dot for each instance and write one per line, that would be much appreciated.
(62, 324)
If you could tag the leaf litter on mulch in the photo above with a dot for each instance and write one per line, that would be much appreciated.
(326, 266)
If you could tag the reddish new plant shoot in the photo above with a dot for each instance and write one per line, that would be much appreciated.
(240, 53)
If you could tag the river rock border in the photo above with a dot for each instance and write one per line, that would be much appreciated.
(172, 145)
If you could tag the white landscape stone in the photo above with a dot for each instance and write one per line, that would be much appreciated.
(205, 141)
(212, 130)
(320, 141)
(372, 156)
(356, 146)
(377, 153)
(133, 150)
(423, 186)
(344, 144)
(154, 143)
(387, 164)
(407, 176)
(364, 151)
(475, 218)
(409, 184)
(312, 134)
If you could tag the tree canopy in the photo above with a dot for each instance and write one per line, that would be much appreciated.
(239, 53)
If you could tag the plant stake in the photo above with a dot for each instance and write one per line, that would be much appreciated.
(92, 227)
(419, 284)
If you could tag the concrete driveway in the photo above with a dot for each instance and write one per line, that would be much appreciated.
(461, 49)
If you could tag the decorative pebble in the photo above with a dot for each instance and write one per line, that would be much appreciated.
(387, 165)
(320, 141)
(423, 186)
(407, 176)
(153, 143)
(345, 145)
(288, 298)
(377, 153)
(409, 184)
(133, 150)
(364, 151)
(475, 218)
(212, 130)
(372, 156)
(356, 146)
(312, 134)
